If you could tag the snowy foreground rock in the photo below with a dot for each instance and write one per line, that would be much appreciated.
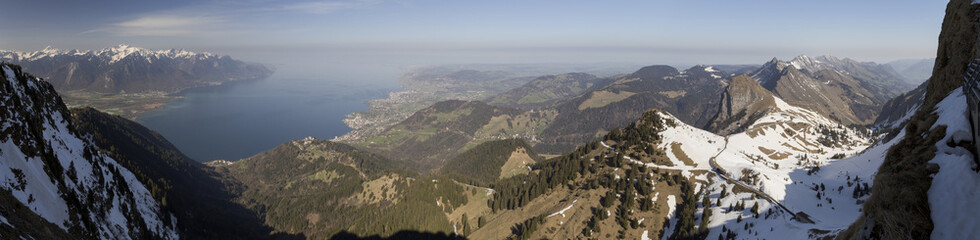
(954, 192)
(61, 176)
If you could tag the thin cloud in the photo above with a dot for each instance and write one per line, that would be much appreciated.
(217, 18)
(162, 25)
(322, 7)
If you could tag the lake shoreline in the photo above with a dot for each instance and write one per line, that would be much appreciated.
(243, 118)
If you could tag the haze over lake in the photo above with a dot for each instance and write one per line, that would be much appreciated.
(241, 119)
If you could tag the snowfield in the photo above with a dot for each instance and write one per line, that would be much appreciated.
(955, 189)
(791, 155)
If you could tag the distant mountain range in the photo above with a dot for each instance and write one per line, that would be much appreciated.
(811, 148)
(556, 113)
(848, 91)
(914, 70)
(127, 69)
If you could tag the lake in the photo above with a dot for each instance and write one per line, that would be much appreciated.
(240, 119)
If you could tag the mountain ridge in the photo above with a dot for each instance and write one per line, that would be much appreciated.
(127, 69)
(743, 101)
(849, 91)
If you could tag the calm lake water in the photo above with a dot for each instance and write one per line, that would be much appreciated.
(241, 119)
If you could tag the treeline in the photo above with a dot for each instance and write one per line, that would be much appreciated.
(416, 210)
(481, 165)
(687, 227)
(465, 116)
(373, 165)
(517, 191)
(289, 204)
(646, 130)
(309, 188)
(437, 133)
(523, 230)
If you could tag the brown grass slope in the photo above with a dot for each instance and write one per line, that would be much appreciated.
(431, 136)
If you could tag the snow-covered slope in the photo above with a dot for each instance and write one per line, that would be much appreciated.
(955, 188)
(61, 176)
(789, 156)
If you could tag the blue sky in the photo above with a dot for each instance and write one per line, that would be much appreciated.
(451, 31)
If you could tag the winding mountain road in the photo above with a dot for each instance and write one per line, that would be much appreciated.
(798, 216)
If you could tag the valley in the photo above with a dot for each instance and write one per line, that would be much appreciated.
(132, 143)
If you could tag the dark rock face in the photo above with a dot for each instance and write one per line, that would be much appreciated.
(899, 206)
(843, 89)
(201, 199)
(897, 110)
(125, 69)
(742, 103)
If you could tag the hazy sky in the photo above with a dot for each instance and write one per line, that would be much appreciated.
(451, 31)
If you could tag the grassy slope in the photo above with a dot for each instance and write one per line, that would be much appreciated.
(326, 189)
(482, 164)
(435, 134)
(315, 187)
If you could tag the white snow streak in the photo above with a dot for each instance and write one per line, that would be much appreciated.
(955, 189)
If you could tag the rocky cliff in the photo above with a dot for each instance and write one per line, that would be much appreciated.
(743, 101)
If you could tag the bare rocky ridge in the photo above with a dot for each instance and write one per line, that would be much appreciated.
(900, 109)
(743, 101)
(843, 89)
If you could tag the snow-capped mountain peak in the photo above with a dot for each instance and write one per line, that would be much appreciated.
(128, 68)
(805, 62)
(111, 54)
(119, 52)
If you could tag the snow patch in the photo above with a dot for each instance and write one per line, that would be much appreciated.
(955, 188)
(671, 215)
(562, 212)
